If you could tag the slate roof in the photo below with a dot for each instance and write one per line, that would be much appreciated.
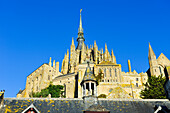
(66, 75)
(59, 105)
(20, 91)
(88, 76)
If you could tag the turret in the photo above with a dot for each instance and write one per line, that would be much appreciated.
(129, 66)
(95, 52)
(57, 66)
(72, 56)
(89, 83)
(49, 62)
(112, 57)
(54, 64)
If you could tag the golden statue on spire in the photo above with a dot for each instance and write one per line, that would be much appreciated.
(80, 10)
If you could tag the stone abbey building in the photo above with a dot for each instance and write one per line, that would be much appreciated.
(115, 83)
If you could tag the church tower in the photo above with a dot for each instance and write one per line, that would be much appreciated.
(154, 68)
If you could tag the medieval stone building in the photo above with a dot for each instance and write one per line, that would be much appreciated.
(157, 66)
(115, 83)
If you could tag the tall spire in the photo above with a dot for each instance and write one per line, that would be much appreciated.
(80, 25)
(112, 57)
(151, 53)
(72, 43)
(49, 62)
(80, 38)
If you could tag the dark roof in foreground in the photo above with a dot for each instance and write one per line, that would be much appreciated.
(62, 105)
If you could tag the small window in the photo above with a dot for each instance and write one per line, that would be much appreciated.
(102, 80)
(49, 70)
(155, 70)
(130, 94)
(136, 79)
(60, 81)
(108, 80)
(68, 78)
(144, 78)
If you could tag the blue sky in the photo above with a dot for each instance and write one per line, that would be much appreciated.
(31, 31)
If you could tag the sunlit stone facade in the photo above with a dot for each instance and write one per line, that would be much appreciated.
(114, 84)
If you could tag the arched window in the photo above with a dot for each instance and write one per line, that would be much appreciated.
(115, 72)
(105, 72)
(110, 72)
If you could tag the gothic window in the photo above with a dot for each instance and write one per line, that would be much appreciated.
(105, 72)
(155, 70)
(110, 72)
(115, 72)
(108, 80)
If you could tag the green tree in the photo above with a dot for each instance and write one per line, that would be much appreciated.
(154, 88)
(99, 76)
(102, 96)
(54, 90)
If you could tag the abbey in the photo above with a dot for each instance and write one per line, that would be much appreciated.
(79, 69)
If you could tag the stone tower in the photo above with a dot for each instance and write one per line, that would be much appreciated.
(154, 67)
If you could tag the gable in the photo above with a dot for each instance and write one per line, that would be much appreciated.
(31, 109)
(163, 60)
(118, 92)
